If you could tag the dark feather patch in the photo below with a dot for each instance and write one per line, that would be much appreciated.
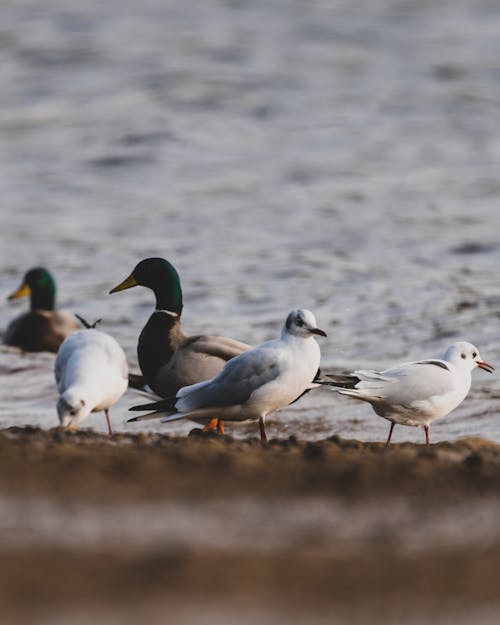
(437, 363)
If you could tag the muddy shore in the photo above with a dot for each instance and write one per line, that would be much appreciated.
(92, 466)
(209, 529)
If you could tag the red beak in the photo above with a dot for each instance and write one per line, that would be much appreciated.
(484, 365)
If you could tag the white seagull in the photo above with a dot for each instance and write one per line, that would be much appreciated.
(91, 375)
(415, 393)
(254, 383)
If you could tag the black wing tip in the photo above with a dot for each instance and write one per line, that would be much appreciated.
(142, 407)
(86, 324)
(164, 404)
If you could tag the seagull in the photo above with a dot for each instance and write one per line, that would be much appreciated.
(255, 383)
(91, 375)
(42, 328)
(168, 359)
(415, 393)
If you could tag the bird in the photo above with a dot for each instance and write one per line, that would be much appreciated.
(415, 393)
(168, 358)
(42, 328)
(91, 374)
(255, 383)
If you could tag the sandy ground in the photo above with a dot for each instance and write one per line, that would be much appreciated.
(209, 529)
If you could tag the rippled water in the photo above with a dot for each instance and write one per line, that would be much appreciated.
(337, 156)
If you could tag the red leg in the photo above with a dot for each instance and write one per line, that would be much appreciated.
(220, 427)
(427, 441)
(110, 431)
(388, 442)
(262, 428)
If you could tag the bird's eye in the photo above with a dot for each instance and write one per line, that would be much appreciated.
(474, 354)
(300, 322)
(464, 356)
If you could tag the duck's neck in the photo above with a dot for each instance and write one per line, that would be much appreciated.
(159, 340)
(43, 298)
(169, 297)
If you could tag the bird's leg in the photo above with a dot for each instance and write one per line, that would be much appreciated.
(110, 431)
(427, 441)
(262, 428)
(220, 426)
(388, 442)
(211, 424)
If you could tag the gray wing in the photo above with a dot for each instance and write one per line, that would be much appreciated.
(200, 358)
(406, 383)
(62, 358)
(58, 369)
(240, 377)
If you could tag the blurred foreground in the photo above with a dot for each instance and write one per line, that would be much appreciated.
(212, 530)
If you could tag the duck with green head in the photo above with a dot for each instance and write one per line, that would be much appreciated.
(42, 328)
(170, 360)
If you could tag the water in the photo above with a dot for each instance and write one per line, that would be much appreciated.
(331, 155)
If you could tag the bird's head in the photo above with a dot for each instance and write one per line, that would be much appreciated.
(71, 409)
(465, 355)
(161, 277)
(302, 323)
(39, 284)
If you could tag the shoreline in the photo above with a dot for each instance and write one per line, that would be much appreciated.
(157, 466)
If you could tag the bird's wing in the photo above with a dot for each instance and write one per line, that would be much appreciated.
(406, 383)
(239, 378)
(110, 347)
(216, 346)
(60, 364)
(234, 385)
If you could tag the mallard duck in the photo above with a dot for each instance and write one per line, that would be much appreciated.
(170, 360)
(91, 375)
(43, 328)
(255, 383)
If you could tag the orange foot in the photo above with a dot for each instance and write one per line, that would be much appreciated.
(214, 423)
(211, 425)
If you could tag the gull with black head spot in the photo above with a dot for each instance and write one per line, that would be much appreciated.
(254, 384)
(415, 393)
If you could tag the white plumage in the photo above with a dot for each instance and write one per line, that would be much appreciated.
(91, 375)
(415, 393)
(255, 383)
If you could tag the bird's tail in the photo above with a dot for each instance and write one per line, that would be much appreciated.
(137, 381)
(339, 381)
(164, 407)
(363, 384)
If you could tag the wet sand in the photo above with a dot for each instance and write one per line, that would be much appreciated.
(210, 529)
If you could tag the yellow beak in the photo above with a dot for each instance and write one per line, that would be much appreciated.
(128, 283)
(22, 291)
